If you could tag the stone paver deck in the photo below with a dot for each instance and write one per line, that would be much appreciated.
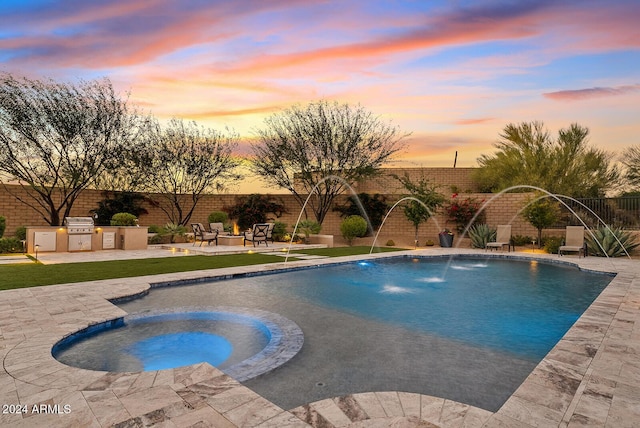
(590, 378)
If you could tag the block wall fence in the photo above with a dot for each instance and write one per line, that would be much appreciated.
(397, 228)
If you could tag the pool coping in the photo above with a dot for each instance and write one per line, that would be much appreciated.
(591, 377)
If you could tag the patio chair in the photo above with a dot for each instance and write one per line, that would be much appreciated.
(503, 237)
(270, 232)
(259, 233)
(199, 233)
(217, 227)
(574, 241)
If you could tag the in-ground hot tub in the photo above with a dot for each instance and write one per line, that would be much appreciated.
(243, 343)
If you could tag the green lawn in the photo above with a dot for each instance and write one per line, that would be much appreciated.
(30, 275)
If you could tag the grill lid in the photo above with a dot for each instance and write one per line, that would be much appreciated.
(78, 221)
(77, 225)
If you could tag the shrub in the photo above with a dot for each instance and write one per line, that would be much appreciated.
(279, 231)
(3, 225)
(154, 228)
(253, 209)
(390, 243)
(218, 217)
(480, 234)
(156, 239)
(21, 233)
(374, 206)
(10, 245)
(552, 244)
(521, 240)
(353, 227)
(429, 243)
(462, 211)
(607, 239)
(123, 219)
(119, 202)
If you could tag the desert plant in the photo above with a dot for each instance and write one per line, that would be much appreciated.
(218, 217)
(123, 219)
(551, 244)
(353, 227)
(481, 234)
(608, 239)
(174, 230)
(308, 227)
(3, 225)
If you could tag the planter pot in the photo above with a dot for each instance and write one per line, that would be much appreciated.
(446, 240)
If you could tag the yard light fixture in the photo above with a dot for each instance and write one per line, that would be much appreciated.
(37, 247)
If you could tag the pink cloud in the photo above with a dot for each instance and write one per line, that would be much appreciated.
(581, 94)
(474, 121)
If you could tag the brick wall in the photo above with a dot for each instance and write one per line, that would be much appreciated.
(448, 180)
(397, 227)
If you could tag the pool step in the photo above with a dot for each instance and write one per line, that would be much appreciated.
(390, 409)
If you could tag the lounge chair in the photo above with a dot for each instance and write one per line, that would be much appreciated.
(201, 234)
(503, 237)
(259, 233)
(574, 241)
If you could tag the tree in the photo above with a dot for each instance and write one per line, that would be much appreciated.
(631, 160)
(301, 147)
(541, 213)
(426, 192)
(528, 155)
(56, 138)
(181, 162)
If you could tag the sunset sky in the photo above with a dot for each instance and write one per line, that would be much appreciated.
(452, 73)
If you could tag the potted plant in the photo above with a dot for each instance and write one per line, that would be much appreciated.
(446, 238)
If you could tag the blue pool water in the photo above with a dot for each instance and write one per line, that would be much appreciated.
(156, 341)
(166, 351)
(470, 331)
(518, 307)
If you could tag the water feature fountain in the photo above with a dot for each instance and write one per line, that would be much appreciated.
(315, 188)
(406, 198)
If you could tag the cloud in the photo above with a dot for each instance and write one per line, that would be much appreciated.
(597, 92)
(474, 121)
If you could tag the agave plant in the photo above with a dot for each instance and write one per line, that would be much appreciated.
(613, 241)
(480, 234)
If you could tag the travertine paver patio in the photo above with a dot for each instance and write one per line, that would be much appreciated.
(591, 378)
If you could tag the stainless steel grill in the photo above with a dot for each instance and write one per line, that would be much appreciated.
(80, 230)
(79, 225)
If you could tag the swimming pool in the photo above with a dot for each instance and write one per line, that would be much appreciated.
(470, 331)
